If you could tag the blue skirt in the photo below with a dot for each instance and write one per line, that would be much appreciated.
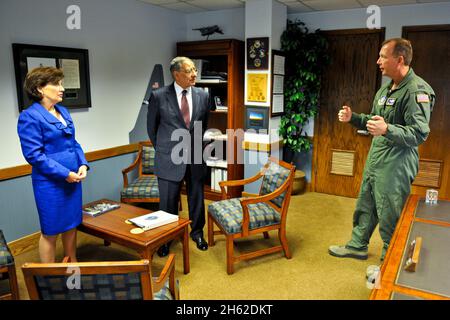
(59, 205)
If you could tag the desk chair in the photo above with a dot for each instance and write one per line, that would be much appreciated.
(8, 270)
(244, 217)
(124, 280)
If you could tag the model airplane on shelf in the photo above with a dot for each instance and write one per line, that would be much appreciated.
(207, 31)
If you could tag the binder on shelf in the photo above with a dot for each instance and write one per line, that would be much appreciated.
(217, 178)
(216, 163)
(213, 180)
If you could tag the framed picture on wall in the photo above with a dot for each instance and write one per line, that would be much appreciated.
(258, 53)
(256, 118)
(278, 73)
(73, 62)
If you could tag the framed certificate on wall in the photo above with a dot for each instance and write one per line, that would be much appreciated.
(277, 77)
(74, 63)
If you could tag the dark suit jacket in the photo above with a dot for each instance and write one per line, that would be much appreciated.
(163, 118)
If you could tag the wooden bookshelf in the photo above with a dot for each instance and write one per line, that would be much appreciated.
(223, 56)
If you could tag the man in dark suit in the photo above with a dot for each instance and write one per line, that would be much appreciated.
(176, 121)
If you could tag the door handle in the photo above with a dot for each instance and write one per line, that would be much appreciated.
(363, 132)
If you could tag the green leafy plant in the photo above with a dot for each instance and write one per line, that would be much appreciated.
(306, 57)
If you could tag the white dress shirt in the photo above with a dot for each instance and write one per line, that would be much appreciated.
(179, 92)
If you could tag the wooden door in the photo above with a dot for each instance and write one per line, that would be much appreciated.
(353, 78)
(431, 61)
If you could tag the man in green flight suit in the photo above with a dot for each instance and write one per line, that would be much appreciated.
(399, 123)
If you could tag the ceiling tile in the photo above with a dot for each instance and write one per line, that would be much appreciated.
(217, 4)
(287, 1)
(428, 1)
(158, 2)
(331, 5)
(297, 7)
(183, 7)
(367, 3)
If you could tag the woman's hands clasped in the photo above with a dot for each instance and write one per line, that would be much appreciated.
(77, 177)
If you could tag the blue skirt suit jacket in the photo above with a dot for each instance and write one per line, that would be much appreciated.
(51, 149)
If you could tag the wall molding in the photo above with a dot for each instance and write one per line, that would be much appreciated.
(25, 169)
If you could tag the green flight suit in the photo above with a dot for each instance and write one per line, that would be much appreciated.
(393, 159)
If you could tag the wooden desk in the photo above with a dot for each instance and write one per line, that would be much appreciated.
(111, 226)
(393, 264)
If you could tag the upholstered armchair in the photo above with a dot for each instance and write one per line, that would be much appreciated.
(124, 280)
(145, 187)
(243, 217)
(8, 270)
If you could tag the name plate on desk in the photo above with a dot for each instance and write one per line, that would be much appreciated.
(413, 254)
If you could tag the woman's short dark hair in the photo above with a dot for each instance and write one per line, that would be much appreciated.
(40, 77)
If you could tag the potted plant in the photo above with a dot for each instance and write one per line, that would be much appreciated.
(306, 57)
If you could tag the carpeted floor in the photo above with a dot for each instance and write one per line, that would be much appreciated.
(314, 222)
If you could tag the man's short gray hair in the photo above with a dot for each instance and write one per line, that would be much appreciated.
(177, 62)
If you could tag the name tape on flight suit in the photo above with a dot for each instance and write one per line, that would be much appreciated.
(390, 101)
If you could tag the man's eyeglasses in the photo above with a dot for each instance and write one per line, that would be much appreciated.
(191, 70)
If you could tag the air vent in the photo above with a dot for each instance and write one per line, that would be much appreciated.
(429, 174)
(342, 162)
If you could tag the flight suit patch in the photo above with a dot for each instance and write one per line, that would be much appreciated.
(381, 101)
(390, 101)
(422, 97)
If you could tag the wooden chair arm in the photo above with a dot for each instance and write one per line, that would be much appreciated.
(130, 168)
(236, 183)
(168, 272)
(265, 198)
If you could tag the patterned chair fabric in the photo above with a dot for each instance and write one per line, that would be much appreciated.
(273, 178)
(229, 214)
(6, 258)
(97, 287)
(148, 159)
(143, 187)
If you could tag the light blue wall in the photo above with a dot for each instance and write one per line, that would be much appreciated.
(18, 213)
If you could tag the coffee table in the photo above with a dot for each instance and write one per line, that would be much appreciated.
(111, 227)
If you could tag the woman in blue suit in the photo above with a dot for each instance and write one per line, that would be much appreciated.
(47, 136)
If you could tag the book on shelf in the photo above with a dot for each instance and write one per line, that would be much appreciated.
(154, 219)
(216, 163)
(214, 135)
(217, 175)
(100, 207)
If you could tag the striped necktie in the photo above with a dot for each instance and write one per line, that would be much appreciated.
(185, 109)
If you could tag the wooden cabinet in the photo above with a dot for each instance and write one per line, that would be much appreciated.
(222, 57)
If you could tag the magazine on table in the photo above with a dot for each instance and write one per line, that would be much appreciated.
(100, 207)
(154, 219)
